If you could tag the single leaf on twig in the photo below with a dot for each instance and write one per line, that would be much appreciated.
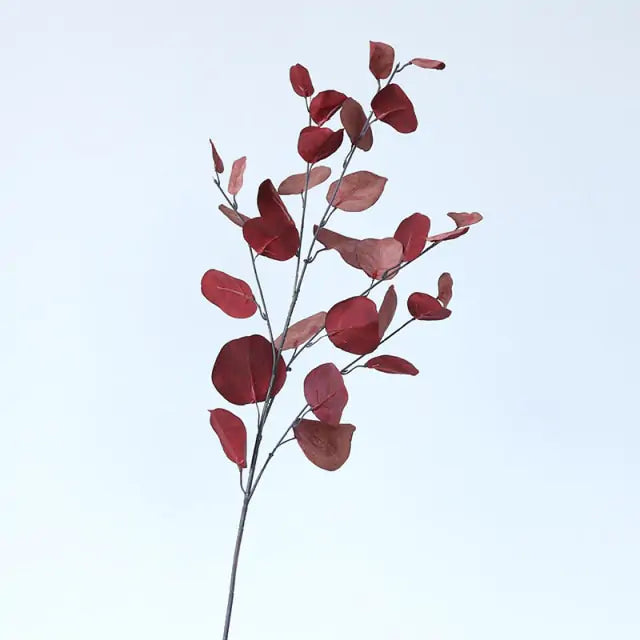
(318, 143)
(301, 80)
(354, 120)
(391, 364)
(235, 216)
(375, 257)
(448, 235)
(357, 191)
(426, 63)
(232, 433)
(381, 57)
(465, 219)
(445, 289)
(237, 174)
(344, 245)
(387, 310)
(352, 325)
(295, 184)
(422, 306)
(325, 104)
(232, 295)
(326, 445)
(412, 232)
(301, 331)
(392, 106)
(218, 165)
(326, 393)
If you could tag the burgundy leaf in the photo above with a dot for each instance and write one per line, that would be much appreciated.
(275, 240)
(353, 120)
(376, 257)
(218, 165)
(357, 191)
(387, 310)
(352, 325)
(318, 143)
(301, 331)
(295, 184)
(422, 306)
(325, 393)
(232, 433)
(412, 232)
(232, 295)
(391, 364)
(346, 247)
(326, 445)
(242, 370)
(426, 63)
(381, 58)
(301, 80)
(271, 206)
(235, 216)
(465, 219)
(448, 235)
(237, 174)
(445, 289)
(392, 105)
(325, 104)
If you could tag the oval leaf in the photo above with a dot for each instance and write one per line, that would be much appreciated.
(295, 184)
(357, 191)
(232, 295)
(274, 240)
(236, 175)
(426, 63)
(387, 310)
(354, 120)
(376, 257)
(422, 306)
(381, 57)
(392, 106)
(271, 206)
(301, 331)
(325, 392)
(465, 219)
(325, 104)
(412, 232)
(391, 364)
(448, 235)
(318, 143)
(445, 289)
(218, 165)
(345, 246)
(352, 325)
(301, 80)
(235, 216)
(242, 370)
(232, 433)
(326, 445)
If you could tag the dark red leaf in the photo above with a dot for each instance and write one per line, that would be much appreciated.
(218, 165)
(392, 105)
(465, 219)
(301, 80)
(271, 206)
(422, 306)
(391, 364)
(352, 325)
(345, 246)
(295, 184)
(236, 175)
(353, 120)
(318, 143)
(274, 240)
(325, 104)
(357, 191)
(412, 232)
(445, 289)
(326, 445)
(448, 235)
(242, 370)
(232, 295)
(235, 216)
(325, 393)
(302, 330)
(376, 257)
(381, 58)
(232, 433)
(426, 63)
(387, 310)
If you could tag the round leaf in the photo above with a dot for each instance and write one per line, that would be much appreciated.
(392, 106)
(325, 104)
(376, 257)
(357, 191)
(412, 232)
(381, 58)
(352, 325)
(327, 446)
(318, 143)
(326, 393)
(232, 295)
(422, 306)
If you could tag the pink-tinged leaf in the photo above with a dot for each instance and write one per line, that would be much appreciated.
(387, 310)
(232, 433)
(301, 331)
(381, 57)
(345, 246)
(412, 232)
(376, 257)
(218, 165)
(445, 289)
(237, 174)
(301, 80)
(232, 295)
(318, 143)
(235, 216)
(392, 106)
(357, 191)
(295, 184)
(325, 104)
(325, 392)
(326, 445)
(275, 240)
(353, 120)
(426, 63)
(391, 364)
(422, 306)
(465, 219)
(242, 370)
(352, 325)
(448, 235)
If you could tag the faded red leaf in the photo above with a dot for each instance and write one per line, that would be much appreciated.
(387, 310)
(391, 364)
(325, 392)
(295, 184)
(445, 289)
(235, 216)
(422, 306)
(381, 58)
(301, 80)
(357, 191)
(301, 331)
(375, 257)
(232, 295)
(325, 104)
(242, 370)
(412, 232)
(318, 143)
(344, 245)
(275, 240)
(353, 120)
(232, 433)
(352, 325)
(392, 105)
(448, 235)
(236, 175)
(426, 63)
(218, 165)
(326, 445)
(465, 219)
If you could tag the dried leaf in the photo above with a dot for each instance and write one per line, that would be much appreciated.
(392, 106)
(387, 310)
(318, 143)
(352, 325)
(375, 257)
(325, 104)
(235, 216)
(325, 392)
(218, 165)
(426, 63)
(301, 80)
(465, 219)
(357, 191)
(295, 184)
(236, 175)
(353, 120)
(232, 295)
(232, 433)
(381, 57)
(327, 446)
(445, 289)
(301, 331)
(412, 232)
(422, 306)
(448, 235)
(391, 364)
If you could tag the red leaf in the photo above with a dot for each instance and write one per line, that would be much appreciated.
(357, 191)
(273, 240)
(242, 370)
(295, 184)
(465, 219)
(422, 306)
(318, 143)
(412, 232)
(325, 392)
(326, 445)
(392, 105)
(352, 325)
(448, 235)
(301, 80)
(235, 216)
(445, 289)
(271, 206)
(381, 58)
(391, 364)
(325, 104)
(302, 330)
(375, 257)
(426, 63)
(345, 246)
(237, 174)
(387, 310)
(218, 165)
(232, 433)
(353, 120)
(232, 295)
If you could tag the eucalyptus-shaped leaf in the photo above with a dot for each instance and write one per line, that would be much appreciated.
(354, 120)
(237, 174)
(235, 216)
(377, 256)
(296, 183)
(318, 143)
(357, 191)
(422, 306)
(301, 80)
(326, 445)
(445, 289)
(427, 63)
(301, 331)
(412, 232)
(381, 57)
(325, 104)
(448, 235)
(387, 310)
(232, 295)
(218, 165)
(325, 392)
(465, 219)
(232, 433)
(391, 364)
(352, 325)
(392, 106)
